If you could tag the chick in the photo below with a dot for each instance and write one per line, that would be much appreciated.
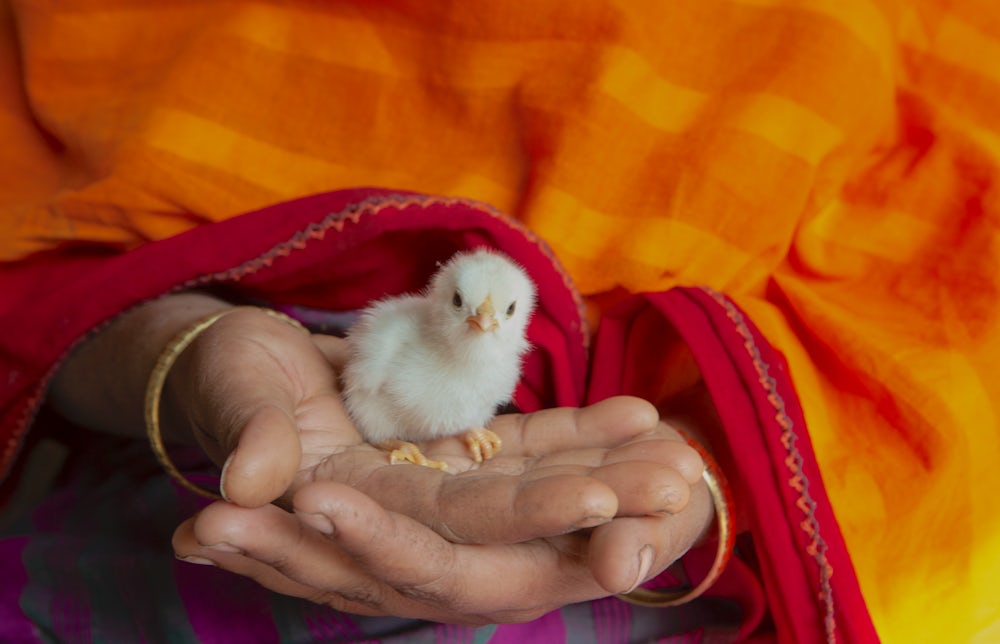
(440, 363)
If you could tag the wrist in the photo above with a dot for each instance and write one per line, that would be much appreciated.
(101, 382)
(693, 413)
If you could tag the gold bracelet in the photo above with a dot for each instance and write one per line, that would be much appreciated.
(154, 389)
(718, 487)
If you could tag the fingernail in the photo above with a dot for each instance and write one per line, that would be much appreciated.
(645, 563)
(225, 547)
(320, 522)
(590, 522)
(195, 559)
(674, 501)
(222, 477)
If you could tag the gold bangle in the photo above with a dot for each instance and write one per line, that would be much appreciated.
(718, 487)
(158, 377)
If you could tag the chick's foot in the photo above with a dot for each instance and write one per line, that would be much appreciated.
(483, 443)
(406, 452)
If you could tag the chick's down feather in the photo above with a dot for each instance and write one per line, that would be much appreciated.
(441, 362)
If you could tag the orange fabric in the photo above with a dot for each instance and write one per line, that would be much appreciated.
(832, 165)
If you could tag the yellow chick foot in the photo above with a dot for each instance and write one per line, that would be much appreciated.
(407, 452)
(483, 444)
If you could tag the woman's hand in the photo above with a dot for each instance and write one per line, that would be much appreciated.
(581, 503)
(262, 398)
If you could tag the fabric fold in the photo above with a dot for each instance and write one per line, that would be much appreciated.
(809, 580)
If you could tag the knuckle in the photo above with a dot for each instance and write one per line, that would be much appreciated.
(434, 592)
(425, 595)
(371, 596)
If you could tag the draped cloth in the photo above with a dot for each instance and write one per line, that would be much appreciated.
(824, 174)
(323, 256)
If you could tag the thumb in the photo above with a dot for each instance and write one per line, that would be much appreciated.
(265, 460)
(334, 349)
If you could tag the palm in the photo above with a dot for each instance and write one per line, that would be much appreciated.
(547, 459)
(397, 532)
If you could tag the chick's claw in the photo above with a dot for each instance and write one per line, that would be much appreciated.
(483, 443)
(406, 452)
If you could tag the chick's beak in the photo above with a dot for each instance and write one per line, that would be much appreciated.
(485, 318)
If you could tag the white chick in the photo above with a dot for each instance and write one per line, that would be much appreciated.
(440, 363)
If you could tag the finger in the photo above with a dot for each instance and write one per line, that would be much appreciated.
(284, 553)
(606, 423)
(187, 548)
(671, 451)
(486, 507)
(334, 349)
(649, 474)
(266, 458)
(660, 446)
(643, 487)
(278, 551)
(377, 536)
(508, 510)
(553, 431)
(631, 550)
(504, 582)
(623, 557)
(272, 551)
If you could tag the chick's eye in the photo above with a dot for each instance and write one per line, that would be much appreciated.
(456, 299)
(511, 309)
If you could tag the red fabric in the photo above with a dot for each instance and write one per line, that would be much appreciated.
(339, 250)
(809, 580)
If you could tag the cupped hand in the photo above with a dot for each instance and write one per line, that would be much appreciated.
(579, 504)
(582, 503)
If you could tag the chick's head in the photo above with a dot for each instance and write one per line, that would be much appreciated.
(482, 296)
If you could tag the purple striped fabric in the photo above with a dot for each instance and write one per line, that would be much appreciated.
(13, 581)
(612, 619)
(206, 591)
(327, 625)
(548, 628)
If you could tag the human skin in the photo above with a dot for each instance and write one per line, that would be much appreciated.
(580, 504)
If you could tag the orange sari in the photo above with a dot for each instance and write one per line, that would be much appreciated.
(830, 166)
